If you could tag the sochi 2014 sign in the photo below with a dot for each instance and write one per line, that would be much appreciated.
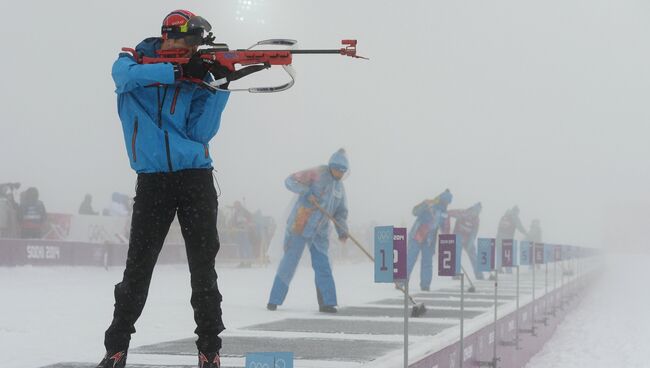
(390, 254)
(539, 253)
(399, 253)
(525, 252)
(449, 253)
(485, 254)
(269, 360)
(507, 252)
(384, 254)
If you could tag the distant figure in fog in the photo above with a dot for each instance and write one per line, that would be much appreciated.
(8, 211)
(32, 215)
(466, 228)
(119, 205)
(534, 232)
(265, 228)
(86, 207)
(242, 223)
(508, 224)
(431, 215)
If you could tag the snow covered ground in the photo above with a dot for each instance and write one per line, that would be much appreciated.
(610, 327)
(55, 314)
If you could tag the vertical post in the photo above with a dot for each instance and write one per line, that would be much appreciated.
(571, 276)
(574, 291)
(579, 268)
(532, 313)
(496, 339)
(517, 314)
(562, 296)
(546, 293)
(555, 287)
(406, 324)
(462, 318)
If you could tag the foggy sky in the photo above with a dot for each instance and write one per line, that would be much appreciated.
(543, 104)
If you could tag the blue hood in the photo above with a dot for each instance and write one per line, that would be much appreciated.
(445, 197)
(149, 46)
(340, 158)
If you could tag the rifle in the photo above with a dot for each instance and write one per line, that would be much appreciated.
(252, 61)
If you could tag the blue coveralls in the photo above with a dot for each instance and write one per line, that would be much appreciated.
(431, 215)
(308, 226)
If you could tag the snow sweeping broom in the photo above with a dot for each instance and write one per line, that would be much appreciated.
(418, 308)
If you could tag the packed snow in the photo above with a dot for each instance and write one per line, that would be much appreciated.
(59, 314)
(610, 326)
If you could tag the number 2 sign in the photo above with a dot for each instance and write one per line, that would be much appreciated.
(399, 253)
(448, 255)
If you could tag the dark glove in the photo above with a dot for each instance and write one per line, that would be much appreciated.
(195, 68)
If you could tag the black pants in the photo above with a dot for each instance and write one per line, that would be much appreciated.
(191, 195)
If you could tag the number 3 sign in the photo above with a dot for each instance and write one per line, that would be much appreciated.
(485, 254)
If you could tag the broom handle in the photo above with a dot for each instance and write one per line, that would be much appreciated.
(358, 245)
(467, 277)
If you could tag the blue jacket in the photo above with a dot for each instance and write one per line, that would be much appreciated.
(431, 215)
(306, 219)
(167, 124)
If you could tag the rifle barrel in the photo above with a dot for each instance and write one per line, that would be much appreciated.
(315, 51)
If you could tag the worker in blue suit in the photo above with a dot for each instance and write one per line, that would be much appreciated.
(308, 225)
(431, 215)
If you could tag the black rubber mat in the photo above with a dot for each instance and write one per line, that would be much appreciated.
(302, 348)
(351, 327)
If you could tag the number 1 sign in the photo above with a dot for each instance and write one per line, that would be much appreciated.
(448, 255)
(384, 254)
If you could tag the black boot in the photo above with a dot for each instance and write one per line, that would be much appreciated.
(327, 309)
(209, 360)
(271, 307)
(113, 359)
